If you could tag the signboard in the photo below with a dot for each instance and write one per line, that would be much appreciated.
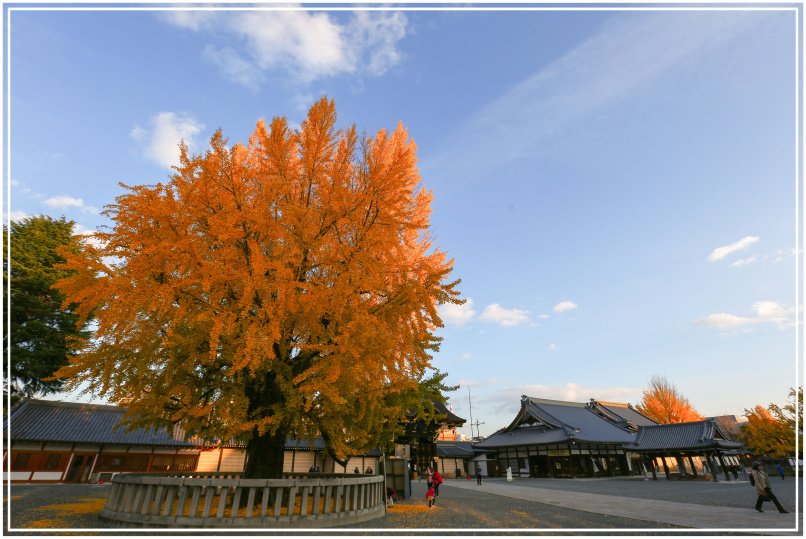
(402, 451)
(559, 452)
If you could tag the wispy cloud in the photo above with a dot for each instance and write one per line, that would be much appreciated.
(466, 356)
(508, 399)
(553, 347)
(742, 245)
(625, 58)
(565, 306)
(14, 215)
(744, 262)
(457, 315)
(766, 312)
(66, 202)
(503, 316)
(160, 143)
(304, 45)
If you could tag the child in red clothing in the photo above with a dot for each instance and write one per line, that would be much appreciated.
(430, 497)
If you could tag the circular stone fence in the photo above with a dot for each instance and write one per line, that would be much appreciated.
(199, 501)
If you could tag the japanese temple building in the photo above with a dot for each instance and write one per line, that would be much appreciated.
(550, 438)
(53, 441)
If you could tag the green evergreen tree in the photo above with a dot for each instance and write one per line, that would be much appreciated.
(40, 327)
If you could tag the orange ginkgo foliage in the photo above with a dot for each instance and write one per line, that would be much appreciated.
(665, 404)
(286, 287)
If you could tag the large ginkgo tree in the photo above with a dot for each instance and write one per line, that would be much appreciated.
(283, 287)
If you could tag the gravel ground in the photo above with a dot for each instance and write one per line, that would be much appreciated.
(466, 509)
(723, 493)
(64, 506)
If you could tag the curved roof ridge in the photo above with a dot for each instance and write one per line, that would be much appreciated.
(537, 400)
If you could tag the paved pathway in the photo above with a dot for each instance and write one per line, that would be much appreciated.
(665, 512)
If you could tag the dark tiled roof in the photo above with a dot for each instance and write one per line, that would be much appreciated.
(454, 449)
(623, 412)
(544, 421)
(450, 418)
(524, 436)
(74, 422)
(319, 445)
(694, 435)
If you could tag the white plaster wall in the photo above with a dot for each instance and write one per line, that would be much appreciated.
(208, 461)
(46, 476)
(16, 476)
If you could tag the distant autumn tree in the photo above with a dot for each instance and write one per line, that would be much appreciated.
(770, 431)
(663, 403)
(286, 287)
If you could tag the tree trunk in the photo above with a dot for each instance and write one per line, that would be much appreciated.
(265, 455)
(265, 452)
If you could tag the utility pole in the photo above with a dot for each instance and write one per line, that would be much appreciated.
(470, 403)
(477, 423)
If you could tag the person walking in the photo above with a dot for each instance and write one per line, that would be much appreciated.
(429, 476)
(780, 470)
(763, 489)
(437, 483)
(478, 474)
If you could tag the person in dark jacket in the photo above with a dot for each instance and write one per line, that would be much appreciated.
(478, 474)
(780, 470)
(763, 489)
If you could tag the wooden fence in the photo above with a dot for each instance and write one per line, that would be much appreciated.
(209, 500)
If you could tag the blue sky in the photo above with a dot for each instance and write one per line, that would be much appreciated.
(617, 187)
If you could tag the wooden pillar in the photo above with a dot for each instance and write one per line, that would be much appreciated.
(681, 466)
(724, 468)
(712, 468)
(651, 462)
(693, 468)
(665, 467)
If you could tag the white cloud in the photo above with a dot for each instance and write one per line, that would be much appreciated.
(466, 356)
(457, 315)
(744, 262)
(783, 254)
(380, 35)
(15, 215)
(543, 316)
(721, 252)
(565, 306)
(629, 55)
(161, 143)
(725, 321)
(504, 317)
(553, 347)
(772, 312)
(508, 399)
(234, 67)
(65, 202)
(766, 312)
(192, 20)
(303, 44)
